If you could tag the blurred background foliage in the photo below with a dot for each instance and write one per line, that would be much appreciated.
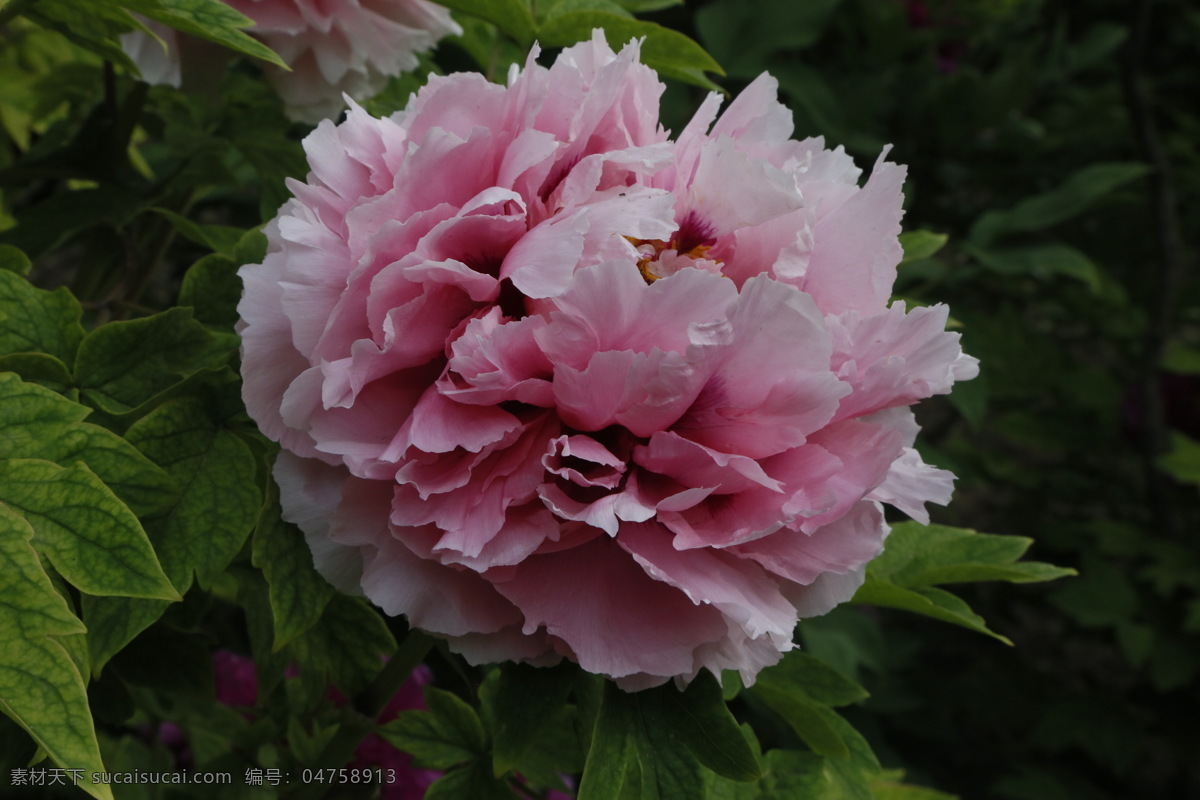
(1055, 144)
(1052, 148)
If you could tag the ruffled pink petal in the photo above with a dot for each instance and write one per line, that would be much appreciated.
(841, 546)
(739, 589)
(767, 394)
(608, 614)
(856, 250)
(911, 483)
(894, 358)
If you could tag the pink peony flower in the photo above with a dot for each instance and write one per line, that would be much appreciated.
(552, 384)
(349, 47)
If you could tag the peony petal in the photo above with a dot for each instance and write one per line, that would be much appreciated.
(611, 617)
(855, 250)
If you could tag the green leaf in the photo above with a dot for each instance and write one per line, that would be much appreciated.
(348, 645)
(888, 785)
(40, 368)
(637, 750)
(520, 703)
(921, 244)
(222, 239)
(669, 52)
(555, 8)
(13, 260)
(810, 720)
(113, 622)
(642, 6)
(611, 771)
(926, 600)
(511, 16)
(208, 19)
(51, 222)
(41, 424)
(1042, 261)
(212, 289)
(123, 365)
(94, 26)
(1065, 202)
(219, 498)
(727, 26)
(915, 557)
(794, 773)
(473, 781)
(298, 594)
(448, 734)
(800, 674)
(36, 321)
(1182, 461)
(703, 722)
(90, 536)
(1103, 596)
(40, 686)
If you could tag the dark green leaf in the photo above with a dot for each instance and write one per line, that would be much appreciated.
(1042, 261)
(13, 260)
(703, 722)
(113, 622)
(208, 19)
(221, 239)
(40, 685)
(40, 368)
(446, 735)
(94, 27)
(611, 772)
(348, 645)
(643, 6)
(1182, 461)
(669, 52)
(298, 594)
(36, 321)
(474, 781)
(1069, 200)
(800, 674)
(921, 244)
(219, 496)
(726, 27)
(90, 536)
(637, 751)
(212, 289)
(122, 365)
(511, 16)
(918, 555)
(556, 8)
(520, 703)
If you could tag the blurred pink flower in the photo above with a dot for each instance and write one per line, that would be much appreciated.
(551, 384)
(333, 48)
(237, 686)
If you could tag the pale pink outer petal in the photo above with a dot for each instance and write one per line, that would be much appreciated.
(894, 358)
(826, 593)
(739, 589)
(841, 546)
(354, 51)
(607, 614)
(911, 483)
(309, 493)
(855, 247)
